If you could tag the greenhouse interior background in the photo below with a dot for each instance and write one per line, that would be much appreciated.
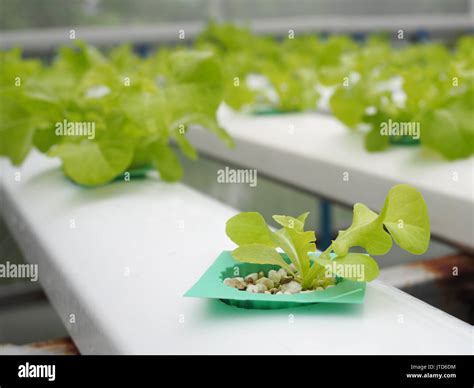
(304, 87)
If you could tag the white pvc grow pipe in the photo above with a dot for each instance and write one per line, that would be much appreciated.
(37, 41)
(315, 152)
(115, 261)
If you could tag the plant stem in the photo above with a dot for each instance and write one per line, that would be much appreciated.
(326, 253)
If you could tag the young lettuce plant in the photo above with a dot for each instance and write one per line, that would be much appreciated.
(404, 219)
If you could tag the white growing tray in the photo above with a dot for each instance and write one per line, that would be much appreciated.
(315, 152)
(165, 236)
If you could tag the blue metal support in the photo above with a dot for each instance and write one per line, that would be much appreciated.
(143, 50)
(422, 36)
(325, 218)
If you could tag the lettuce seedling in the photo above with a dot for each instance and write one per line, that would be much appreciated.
(404, 220)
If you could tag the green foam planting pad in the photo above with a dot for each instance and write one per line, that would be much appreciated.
(211, 286)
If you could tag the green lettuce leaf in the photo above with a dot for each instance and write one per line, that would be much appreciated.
(94, 163)
(405, 215)
(366, 231)
(249, 228)
(166, 162)
(259, 254)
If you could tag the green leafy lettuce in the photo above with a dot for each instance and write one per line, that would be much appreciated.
(430, 85)
(286, 71)
(137, 107)
(435, 92)
(403, 219)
